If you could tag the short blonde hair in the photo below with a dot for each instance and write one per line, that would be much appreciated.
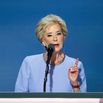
(48, 20)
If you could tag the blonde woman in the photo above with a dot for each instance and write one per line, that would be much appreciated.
(66, 74)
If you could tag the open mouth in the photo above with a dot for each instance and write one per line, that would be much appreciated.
(56, 45)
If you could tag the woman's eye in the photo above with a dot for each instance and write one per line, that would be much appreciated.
(49, 35)
(59, 33)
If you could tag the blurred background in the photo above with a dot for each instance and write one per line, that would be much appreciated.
(18, 19)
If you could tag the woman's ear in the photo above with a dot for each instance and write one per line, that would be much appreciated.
(43, 44)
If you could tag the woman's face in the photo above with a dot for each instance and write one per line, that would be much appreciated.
(54, 35)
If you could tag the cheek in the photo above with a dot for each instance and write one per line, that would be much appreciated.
(61, 39)
(48, 40)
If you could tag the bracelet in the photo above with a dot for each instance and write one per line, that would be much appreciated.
(76, 86)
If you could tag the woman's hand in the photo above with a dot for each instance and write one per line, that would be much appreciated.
(73, 72)
(73, 76)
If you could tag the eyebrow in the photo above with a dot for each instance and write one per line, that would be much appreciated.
(49, 33)
(56, 32)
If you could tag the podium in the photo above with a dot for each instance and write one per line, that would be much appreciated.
(51, 97)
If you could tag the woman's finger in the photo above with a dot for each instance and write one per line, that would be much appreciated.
(76, 62)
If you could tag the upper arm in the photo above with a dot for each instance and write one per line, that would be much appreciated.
(23, 77)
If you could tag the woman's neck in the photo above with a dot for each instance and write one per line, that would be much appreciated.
(57, 58)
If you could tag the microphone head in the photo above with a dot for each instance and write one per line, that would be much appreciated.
(50, 48)
(50, 51)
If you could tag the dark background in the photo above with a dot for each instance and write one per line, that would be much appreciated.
(84, 19)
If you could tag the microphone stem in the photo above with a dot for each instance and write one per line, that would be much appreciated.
(45, 78)
(49, 54)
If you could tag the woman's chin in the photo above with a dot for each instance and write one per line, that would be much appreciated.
(57, 50)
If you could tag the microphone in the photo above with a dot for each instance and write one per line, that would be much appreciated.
(50, 51)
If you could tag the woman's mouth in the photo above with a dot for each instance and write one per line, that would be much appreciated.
(56, 45)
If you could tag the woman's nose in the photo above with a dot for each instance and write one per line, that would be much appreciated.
(55, 38)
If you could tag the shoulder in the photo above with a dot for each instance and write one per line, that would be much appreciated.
(72, 60)
(33, 57)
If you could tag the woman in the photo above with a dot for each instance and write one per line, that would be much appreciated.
(65, 74)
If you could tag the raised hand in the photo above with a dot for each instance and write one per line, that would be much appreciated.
(73, 72)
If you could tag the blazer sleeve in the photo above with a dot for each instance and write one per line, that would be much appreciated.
(23, 77)
(82, 78)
